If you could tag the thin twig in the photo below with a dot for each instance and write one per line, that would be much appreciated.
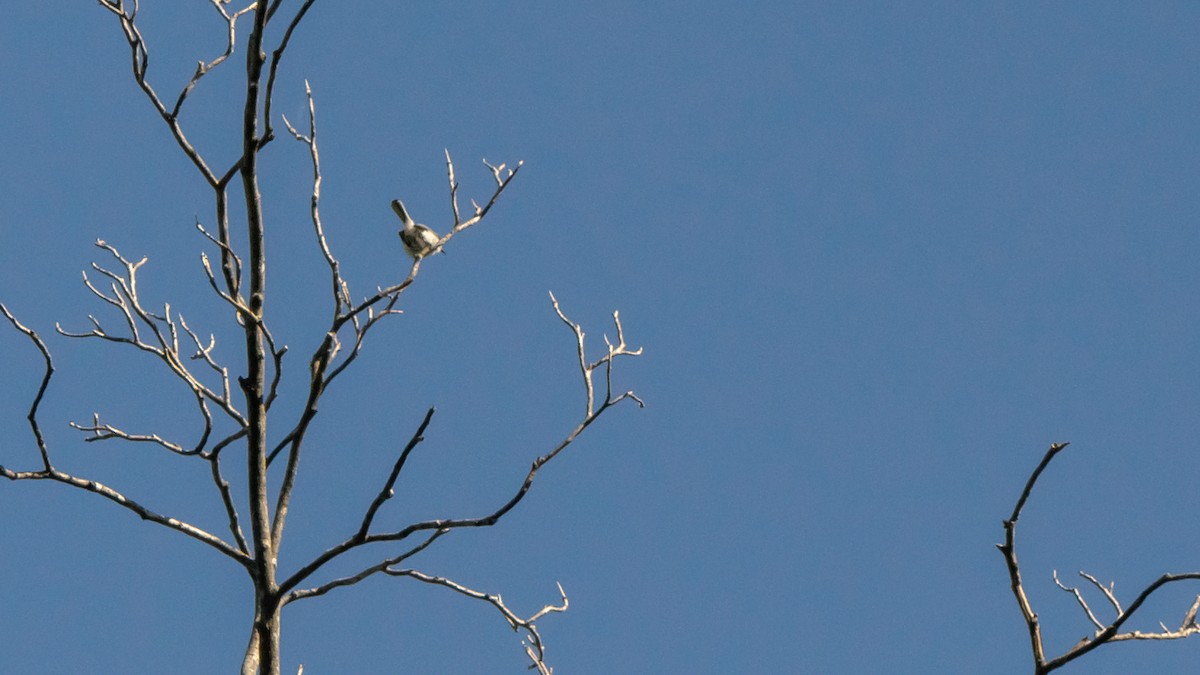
(388, 490)
(1106, 590)
(140, 59)
(338, 284)
(1079, 599)
(48, 472)
(536, 649)
(162, 328)
(203, 68)
(276, 57)
(235, 528)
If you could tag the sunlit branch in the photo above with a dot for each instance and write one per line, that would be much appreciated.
(1103, 633)
(120, 499)
(103, 432)
(535, 648)
(233, 267)
(48, 472)
(586, 369)
(339, 287)
(165, 346)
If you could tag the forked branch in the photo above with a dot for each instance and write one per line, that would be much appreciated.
(140, 58)
(156, 334)
(159, 335)
(1103, 633)
(535, 649)
(49, 472)
(359, 317)
(341, 292)
(203, 68)
(619, 349)
(440, 527)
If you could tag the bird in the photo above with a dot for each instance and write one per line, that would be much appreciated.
(419, 240)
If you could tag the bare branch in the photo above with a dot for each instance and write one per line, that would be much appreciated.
(1111, 632)
(103, 432)
(1103, 634)
(1008, 550)
(325, 353)
(484, 521)
(1079, 599)
(360, 334)
(363, 537)
(242, 310)
(276, 56)
(140, 58)
(321, 363)
(41, 392)
(165, 344)
(222, 485)
(340, 290)
(503, 177)
(277, 364)
(387, 492)
(535, 649)
(586, 369)
(204, 353)
(319, 366)
(158, 332)
(583, 365)
(235, 528)
(230, 261)
(453, 188)
(203, 68)
(120, 499)
(1187, 628)
(48, 472)
(1189, 619)
(1106, 590)
(355, 578)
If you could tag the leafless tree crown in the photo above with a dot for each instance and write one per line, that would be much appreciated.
(241, 396)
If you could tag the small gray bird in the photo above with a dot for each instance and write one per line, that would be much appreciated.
(418, 239)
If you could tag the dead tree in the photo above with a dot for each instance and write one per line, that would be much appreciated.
(242, 397)
(1102, 633)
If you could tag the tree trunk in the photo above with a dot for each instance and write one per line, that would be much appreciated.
(262, 654)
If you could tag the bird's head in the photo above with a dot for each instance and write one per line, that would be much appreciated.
(398, 207)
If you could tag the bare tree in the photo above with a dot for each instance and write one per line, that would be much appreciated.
(241, 398)
(1102, 633)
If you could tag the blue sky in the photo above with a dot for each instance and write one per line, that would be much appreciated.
(879, 258)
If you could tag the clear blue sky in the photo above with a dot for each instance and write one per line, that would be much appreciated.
(879, 257)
